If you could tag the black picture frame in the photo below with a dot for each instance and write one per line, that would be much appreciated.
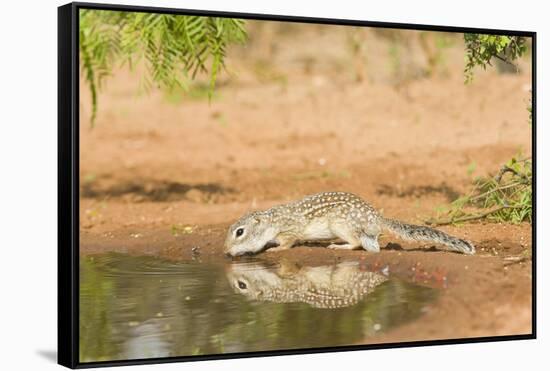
(68, 181)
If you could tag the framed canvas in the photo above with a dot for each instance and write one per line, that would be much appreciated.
(242, 185)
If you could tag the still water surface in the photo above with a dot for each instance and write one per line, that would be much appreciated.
(142, 307)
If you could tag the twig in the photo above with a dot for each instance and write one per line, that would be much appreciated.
(515, 261)
(505, 60)
(506, 169)
(500, 188)
(469, 217)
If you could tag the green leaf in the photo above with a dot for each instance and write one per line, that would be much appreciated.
(173, 47)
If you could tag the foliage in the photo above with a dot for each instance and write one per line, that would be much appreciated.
(174, 47)
(506, 197)
(480, 49)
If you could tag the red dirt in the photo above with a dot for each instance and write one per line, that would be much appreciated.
(152, 167)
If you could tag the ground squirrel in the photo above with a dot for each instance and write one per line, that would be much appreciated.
(326, 216)
(330, 286)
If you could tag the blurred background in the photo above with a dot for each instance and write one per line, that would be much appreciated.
(301, 108)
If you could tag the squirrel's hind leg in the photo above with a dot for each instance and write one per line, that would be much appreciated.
(345, 246)
(370, 243)
(345, 233)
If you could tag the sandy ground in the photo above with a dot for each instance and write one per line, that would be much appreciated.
(164, 173)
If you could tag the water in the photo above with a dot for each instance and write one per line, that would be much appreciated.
(141, 307)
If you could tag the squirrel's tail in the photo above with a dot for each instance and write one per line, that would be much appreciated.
(422, 233)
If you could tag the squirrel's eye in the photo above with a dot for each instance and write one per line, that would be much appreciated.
(242, 285)
(239, 232)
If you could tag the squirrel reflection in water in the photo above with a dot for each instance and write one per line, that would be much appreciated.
(330, 286)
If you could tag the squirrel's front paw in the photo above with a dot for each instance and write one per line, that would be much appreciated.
(278, 248)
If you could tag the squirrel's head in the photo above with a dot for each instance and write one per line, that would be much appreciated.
(249, 235)
(254, 280)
